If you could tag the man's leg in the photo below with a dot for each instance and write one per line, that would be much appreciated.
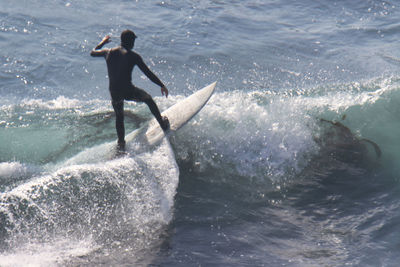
(140, 95)
(119, 121)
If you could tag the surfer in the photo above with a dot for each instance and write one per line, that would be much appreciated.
(120, 63)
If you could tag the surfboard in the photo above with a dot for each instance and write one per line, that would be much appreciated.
(178, 115)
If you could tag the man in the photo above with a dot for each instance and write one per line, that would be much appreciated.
(120, 63)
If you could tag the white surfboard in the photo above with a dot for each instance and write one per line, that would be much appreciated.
(178, 115)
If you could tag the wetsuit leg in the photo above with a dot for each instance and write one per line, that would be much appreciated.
(137, 94)
(153, 108)
(119, 121)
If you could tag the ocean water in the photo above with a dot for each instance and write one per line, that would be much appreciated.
(293, 162)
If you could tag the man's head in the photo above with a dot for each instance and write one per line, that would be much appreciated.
(128, 39)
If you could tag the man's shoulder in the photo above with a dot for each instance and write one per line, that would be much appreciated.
(115, 49)
(134, 54)
(119, 50)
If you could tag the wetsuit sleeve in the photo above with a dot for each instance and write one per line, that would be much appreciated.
(143, 67)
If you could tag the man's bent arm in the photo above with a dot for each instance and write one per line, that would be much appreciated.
(100, 53)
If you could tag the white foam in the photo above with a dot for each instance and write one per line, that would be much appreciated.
(144, 183)
(256, 134)
(14, 170)
(261, 133)
(9, 169)
(46, 254)
(60, 102)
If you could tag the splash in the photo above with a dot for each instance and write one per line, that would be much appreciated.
(120, 203)
(271, 135)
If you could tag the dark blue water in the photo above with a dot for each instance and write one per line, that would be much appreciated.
(293, 162)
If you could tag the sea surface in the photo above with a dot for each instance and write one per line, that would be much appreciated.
(293, 162)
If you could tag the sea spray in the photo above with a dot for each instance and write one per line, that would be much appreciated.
(128, 199)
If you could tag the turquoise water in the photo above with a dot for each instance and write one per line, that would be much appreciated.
(255, 179)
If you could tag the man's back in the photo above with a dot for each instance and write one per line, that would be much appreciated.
(120, 63)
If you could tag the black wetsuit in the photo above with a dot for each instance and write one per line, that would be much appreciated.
(120, 64)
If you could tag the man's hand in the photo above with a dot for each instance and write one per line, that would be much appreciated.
(164, 90)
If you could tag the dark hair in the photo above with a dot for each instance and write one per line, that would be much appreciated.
(127, 38)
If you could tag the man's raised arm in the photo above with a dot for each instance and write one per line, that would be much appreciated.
(100, 53)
